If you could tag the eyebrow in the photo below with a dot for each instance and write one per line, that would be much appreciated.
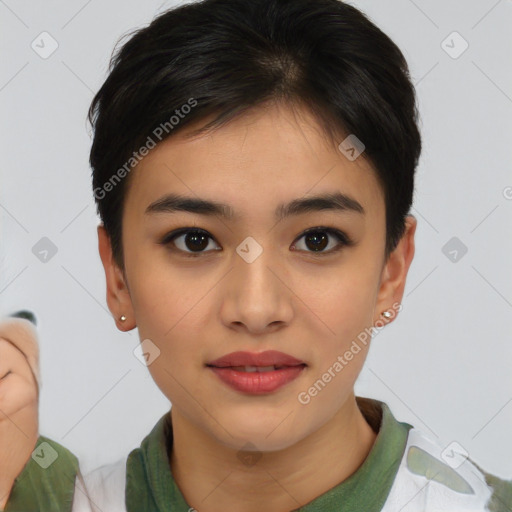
(337, 201)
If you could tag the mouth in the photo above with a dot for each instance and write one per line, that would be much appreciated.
(257, 373)
(269, 360)
(258, 369)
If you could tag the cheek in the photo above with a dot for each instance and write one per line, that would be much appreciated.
(176, 368)
(168, 311)
(176, 325)
(162, 292)
(342, 299)
(347, 309)
(172, 313)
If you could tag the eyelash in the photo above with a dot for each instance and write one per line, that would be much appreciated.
(343, 239)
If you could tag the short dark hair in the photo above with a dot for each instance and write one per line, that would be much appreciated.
(224, 57)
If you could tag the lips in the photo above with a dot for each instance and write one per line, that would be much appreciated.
(257, 373)
(252, 362)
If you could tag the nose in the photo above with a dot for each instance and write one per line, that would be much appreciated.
(257, 295)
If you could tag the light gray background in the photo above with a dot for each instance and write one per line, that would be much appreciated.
(444, 365)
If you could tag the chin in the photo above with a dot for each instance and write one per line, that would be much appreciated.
(255, 443)
(260, 432)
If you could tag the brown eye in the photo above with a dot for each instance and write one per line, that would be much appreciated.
(317, 239)
(189, 240)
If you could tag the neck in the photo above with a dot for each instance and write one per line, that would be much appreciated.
(18, 437)
(280, 480)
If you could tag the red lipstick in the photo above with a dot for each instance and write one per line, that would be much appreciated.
(257, 373)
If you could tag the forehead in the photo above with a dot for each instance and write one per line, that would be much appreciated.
(254, 162)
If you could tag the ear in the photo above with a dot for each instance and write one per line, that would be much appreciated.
(118, 296)
(394, 274)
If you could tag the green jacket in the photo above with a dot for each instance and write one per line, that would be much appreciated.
(47, 481)
(405, 470)
(150, 486)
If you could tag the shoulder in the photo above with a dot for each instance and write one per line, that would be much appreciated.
(433, 478)
(61, 454)
(103, 489)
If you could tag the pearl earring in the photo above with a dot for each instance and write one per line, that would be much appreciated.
(386, 314)
(122, 318)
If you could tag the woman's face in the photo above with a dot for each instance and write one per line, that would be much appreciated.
(18, 387)
(254, 282)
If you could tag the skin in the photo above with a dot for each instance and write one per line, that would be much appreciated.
(19, 423)
(289, 299)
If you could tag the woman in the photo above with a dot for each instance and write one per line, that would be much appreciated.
(253, 166)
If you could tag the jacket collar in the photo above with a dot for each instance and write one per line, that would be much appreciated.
(151, 486)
